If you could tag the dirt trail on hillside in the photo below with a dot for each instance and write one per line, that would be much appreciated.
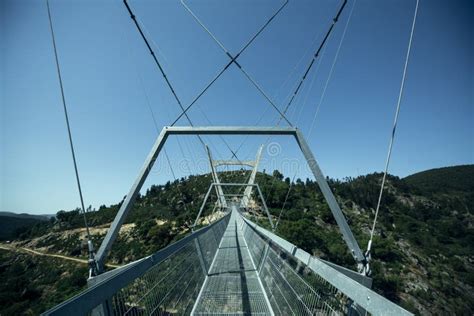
(35, 252)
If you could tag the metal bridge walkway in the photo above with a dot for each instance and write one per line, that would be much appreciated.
(232, 286)
(230, 267)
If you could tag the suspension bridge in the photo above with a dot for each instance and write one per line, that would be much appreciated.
(232, 266)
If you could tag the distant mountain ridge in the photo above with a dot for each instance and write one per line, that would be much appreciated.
(41, 217)
(446, 179)
(11, 222)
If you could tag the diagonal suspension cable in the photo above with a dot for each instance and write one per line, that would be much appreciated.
(170, 86)
(233, 60)
(141, 82)
(392, 136)
(305, 98)
(71, 144)
(157, 130)
(290, 74)
(320, 49)
(309, 88)
(331, 71)
(163, 56)
(316, 54)
(326, 84)
(284, 203)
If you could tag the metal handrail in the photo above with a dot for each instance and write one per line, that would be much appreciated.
(348, 282)
(86, 301)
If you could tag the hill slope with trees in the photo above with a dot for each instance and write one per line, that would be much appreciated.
(447, 179)
(10, 223)
(423, 252)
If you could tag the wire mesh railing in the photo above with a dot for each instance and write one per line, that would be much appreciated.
(157, 291)
(291, 287)
(297, 283)
(165, 283)
(290, 293)
(169, 282)
(171, 287)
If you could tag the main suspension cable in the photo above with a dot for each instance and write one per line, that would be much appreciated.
(310, 87)
(392, 136)
(323, 94)
(168, 82)
(71, 144)
(320, 49)
(168, 160)
(316, 54)
(170, 86)
(150, 49)
(155, 124)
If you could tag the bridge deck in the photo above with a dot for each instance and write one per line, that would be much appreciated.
(232, 286)
(176, 280)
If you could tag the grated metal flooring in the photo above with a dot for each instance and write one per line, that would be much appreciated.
(232, 286)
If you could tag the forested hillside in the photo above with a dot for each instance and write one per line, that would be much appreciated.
(423, 251)
(31, 284)
(10, 223)
(446, 180)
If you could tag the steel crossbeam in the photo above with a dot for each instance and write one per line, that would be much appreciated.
(229, 130)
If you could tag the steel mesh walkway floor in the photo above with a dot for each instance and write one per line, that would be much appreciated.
(232, 286)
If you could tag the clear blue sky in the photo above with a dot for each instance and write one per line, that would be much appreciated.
(104, 61)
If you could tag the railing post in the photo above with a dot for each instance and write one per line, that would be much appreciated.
(330, 199)
(103, 309)
(201, 258)
(127, 204)
(220, 193)
(248, 189)
(265, 254)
